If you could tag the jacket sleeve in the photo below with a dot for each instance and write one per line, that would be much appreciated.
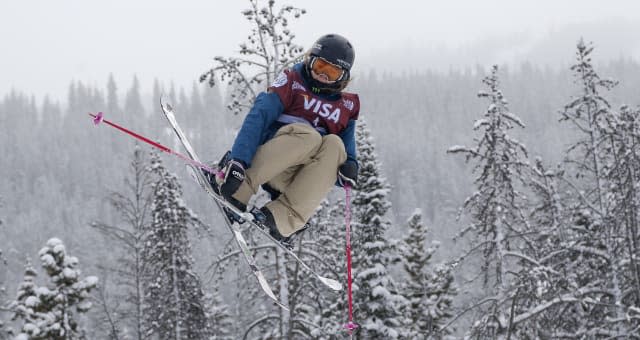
(348, 136)
(266, 109)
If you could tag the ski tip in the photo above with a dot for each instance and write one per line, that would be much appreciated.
(331, 283)
(164, 104)
(97, 118)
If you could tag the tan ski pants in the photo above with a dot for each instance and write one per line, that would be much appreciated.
(302, 165)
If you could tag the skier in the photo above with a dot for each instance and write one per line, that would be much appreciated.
(297, 141)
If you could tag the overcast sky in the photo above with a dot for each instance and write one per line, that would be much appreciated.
(47, 44)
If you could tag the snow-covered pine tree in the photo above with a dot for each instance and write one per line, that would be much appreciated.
(623, 135)
(268, 51)
(580, 267)
(128, 238)
(51, 312)
(541, 291)
(174, 300)
(375, 298)
(588, 112)
(23, 306)
(598, 252)
(328, 235)
(220, 318)
(429, 289)
(496, 208)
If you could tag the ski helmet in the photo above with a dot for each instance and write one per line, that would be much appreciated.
(336, 50)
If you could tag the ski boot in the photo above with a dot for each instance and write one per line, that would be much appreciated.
(264, 219)
(293, 237)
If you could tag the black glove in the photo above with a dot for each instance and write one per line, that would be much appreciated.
(233, 178)
(348, 174)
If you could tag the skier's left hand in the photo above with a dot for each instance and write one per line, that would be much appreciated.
(348, 174)
(233, 178)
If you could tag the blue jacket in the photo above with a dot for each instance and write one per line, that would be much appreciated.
(260, 125)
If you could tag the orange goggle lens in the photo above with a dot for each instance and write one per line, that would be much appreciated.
(321, 66)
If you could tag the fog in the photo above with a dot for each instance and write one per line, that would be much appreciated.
(46, 45)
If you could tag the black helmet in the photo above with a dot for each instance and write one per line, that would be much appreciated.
(337, 50)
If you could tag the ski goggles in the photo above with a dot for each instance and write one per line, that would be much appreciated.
(322, 66)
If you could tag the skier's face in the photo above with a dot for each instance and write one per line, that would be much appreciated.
(324, 71)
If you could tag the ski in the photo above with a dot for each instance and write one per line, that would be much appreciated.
(222, 203)
(233, 226)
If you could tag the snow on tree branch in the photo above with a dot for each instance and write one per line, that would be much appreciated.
(268, 50)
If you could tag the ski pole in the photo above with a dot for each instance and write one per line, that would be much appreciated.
(98, 118)
(350, 326)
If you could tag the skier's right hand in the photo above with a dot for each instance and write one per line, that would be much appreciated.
(348, 174)
(233, 178)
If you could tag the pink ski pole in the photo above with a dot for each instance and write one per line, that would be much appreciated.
(350, 326)
(98, 118)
